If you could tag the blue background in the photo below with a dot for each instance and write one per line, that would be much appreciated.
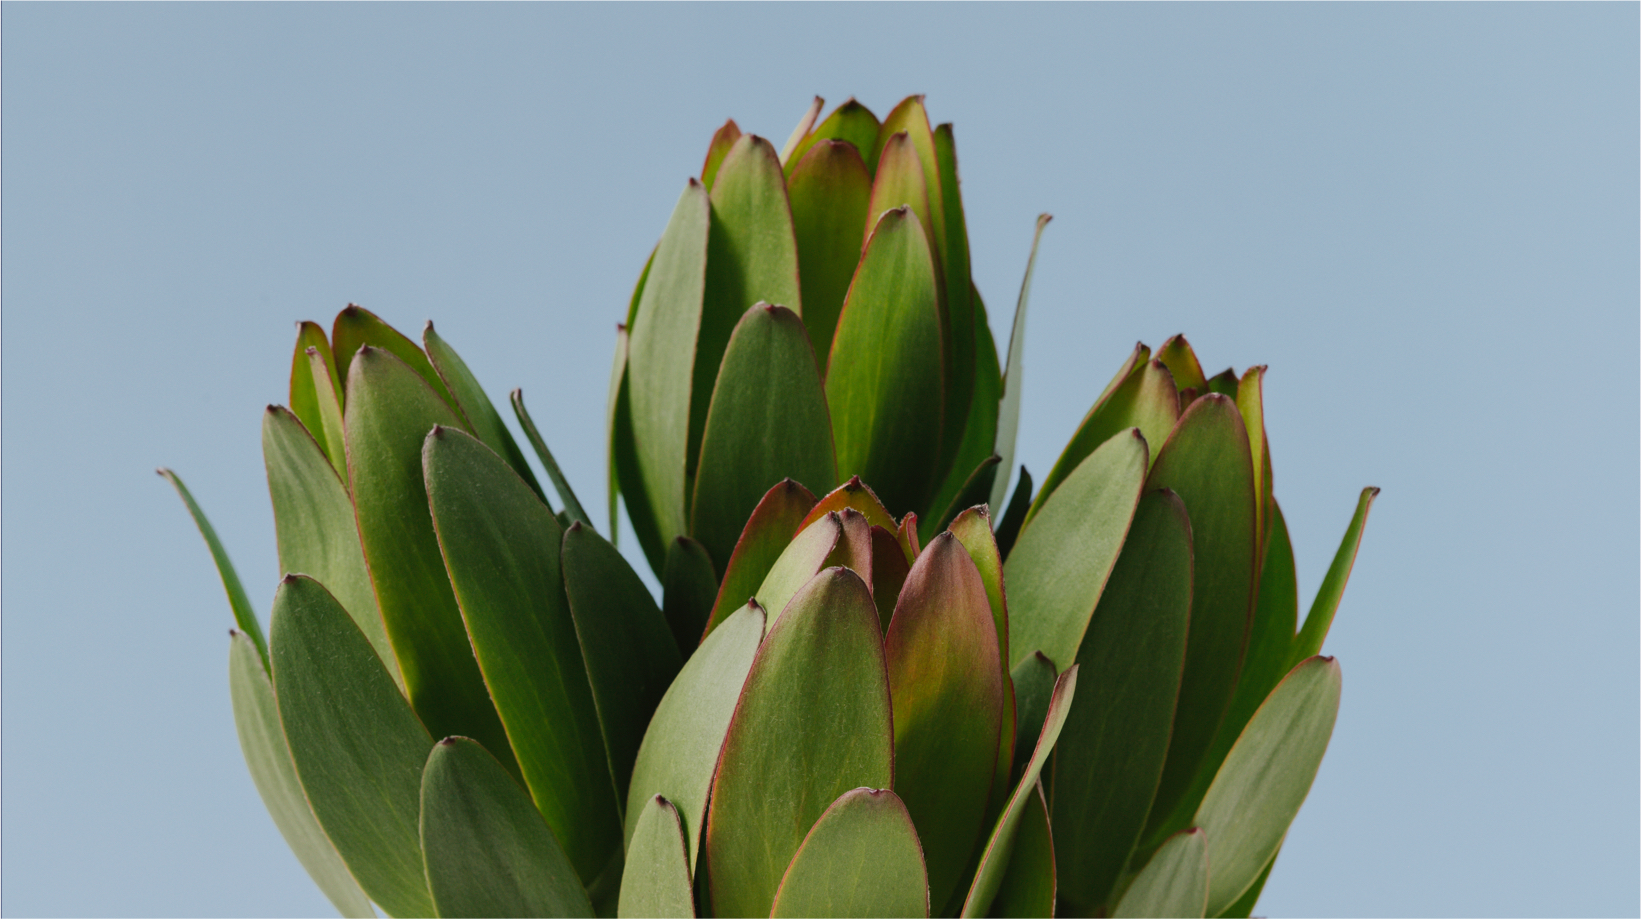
(1423, 218)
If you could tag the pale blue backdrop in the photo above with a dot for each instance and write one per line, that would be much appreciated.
(1423, 218)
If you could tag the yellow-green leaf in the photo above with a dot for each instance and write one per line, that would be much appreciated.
(830, 189)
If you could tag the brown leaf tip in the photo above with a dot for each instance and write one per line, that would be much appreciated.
(575, 527)
(448, 741)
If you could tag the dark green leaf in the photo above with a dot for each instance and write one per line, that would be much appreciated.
(861, 858)
(501, 546)
(1320, 617)
(1008, 407)
(356, 327)
(1224, 383)
(980, 428)
(954, 258)
(656, 881)
(612, 478)
(722, 139)
(830, 190)
(624, 467)
(1060, 565)
(328, 401)
(889, 571)
(476, 407)
(358, 748)
(813, 722)
(1033, 679)
(244, 615)
(305, 403)
(884, 382)
(1173, 883)
(1028, 887)
(488, 851)
(976, 492)
(851, 122)
(572, 507)
(389, 412)
(680, 748)
(768, 421)
(1265, 779)
(1116, 740)
(1008, 529)
(315, 528)
(767, 534)
(1206, 462)
(262, 741)
(688, 589)
(629, 652)
(660, 373)
(1146, 400)
(946, 681)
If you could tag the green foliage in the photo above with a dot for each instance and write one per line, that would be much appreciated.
(896, 699)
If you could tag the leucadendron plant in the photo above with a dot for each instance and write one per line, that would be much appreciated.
(880, 701)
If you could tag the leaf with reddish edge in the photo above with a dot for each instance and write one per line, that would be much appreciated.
(1111, 756)
(973, 529)
(980, 428)
(907, 534)
(722, 139)
(688, 589)
(661, 373)
(946, 681)
(1320, 618)
(1008, 406)
(899, 183)
(855, 546)
(1033, 680)
(389, 412)
(910, 118)
(322, 368)
(889, 570)
(803, 557)
(1059, 568)
(884, 383)
(1136, 359)
(503, 549)
(655, 880)
(475, 406)
(767, 534)
(1173, 883)
(356, 326)
(861, 858)
(994, 860)
(1008, 529)
(630, 654)
(1244, 907)
(1146, 400)
(768, 421)
(1028, 887)
(812, 722)
(681, 746)
(830, 189)
(1206, 462)
(801, 130)
(304, 393)
(752, 256)
(1181, 361)
(1266, 778)
(954, 259)
(851, 494)
(850, 122)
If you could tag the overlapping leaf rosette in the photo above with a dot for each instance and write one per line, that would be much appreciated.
(875, 702)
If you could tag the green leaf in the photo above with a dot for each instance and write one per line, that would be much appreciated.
(476, 407)
(304, 392)
(688, 589)
(1244, 907)
(861, 858)
(625, 467)
(261, 739)
(994, 861)
(722, 139)
(1224, 383)
(946, 681)
(356, 327)
(629, 652)
(680, 748)
(501, 546)
(358, 748)
(1250, 403)
(805, 556)
(884, 381)
(830, 189)
(1265, 779)
(1008, 407)
(328, 401)
(1146, 400)
(1320, 617)
(1033, 680)
(812, 722)
(244, 615)
(656, 880)
(1028, 887)
(612, 477)
(1060, 565)
(801, 130)
(1116, 741)
(954, 258)
(488, 851)
(767, 534)
(389, 412)
(660, 373)
(1181, 361)
(1014, 518)
(1173, 883)
(900, 182)
(975, 493)
(980, 428)
(850, 122)
(910, 118)
(752, 256)
(1206, 462)
(572, 507)
(973, 529)
(768, 421)
(315, 528)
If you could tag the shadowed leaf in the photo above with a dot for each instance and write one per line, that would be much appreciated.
(888, 571)
(1173, 883)
(1014, 516)
(572, 507)
(1008, 407)
(656, 880)
(980, 426)
(767, 534)
(688, 589)
(476, 407)
(305, 386)
(976, 492)
(954, 259)
(1033, 679)
(1028, 887)
(328, 401)
(830, 189)
(1244, 907)
(861, 858)
(973, 529)
(852, 494)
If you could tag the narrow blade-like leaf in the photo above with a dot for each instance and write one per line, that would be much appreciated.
(357, 746)
(830, 189)
(656, 879)
(1028, 887)
(1008, 408)
(975, 493)
(861, 858)
(767, 534)
(566, 494)
(954, 259)
(244, 614)
(476, 406)
(1173, 883)
(805, 124)
(488, 851)
(1320, 618)
(1033, 680)
(980, 426)
(328, 401)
